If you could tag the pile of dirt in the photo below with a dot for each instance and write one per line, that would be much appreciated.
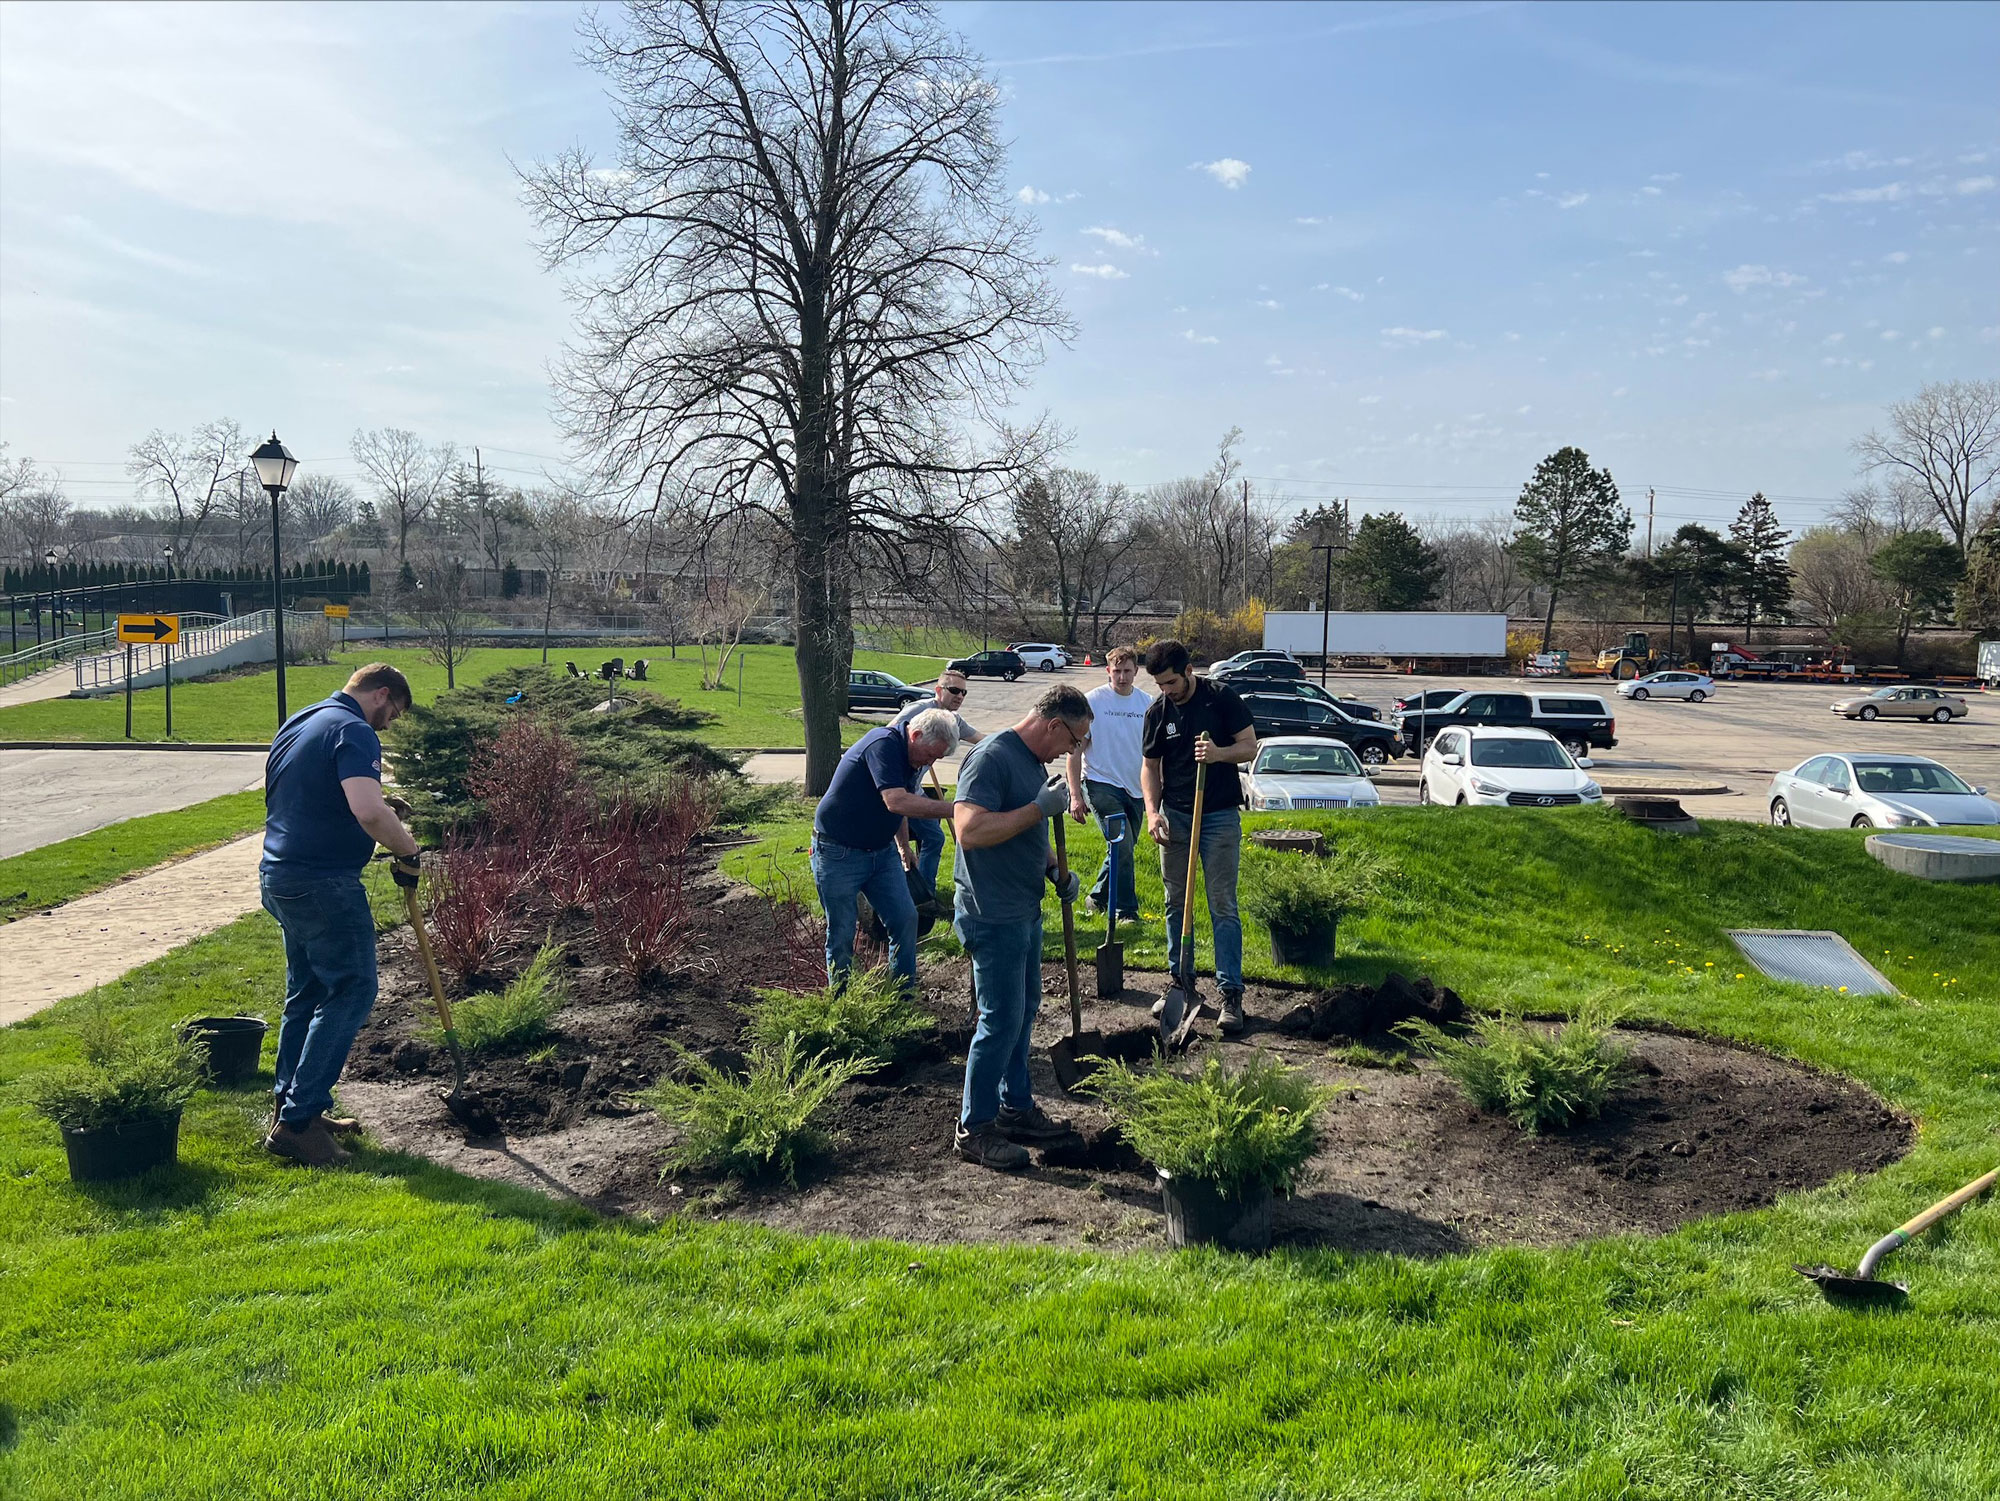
(1407, 1166)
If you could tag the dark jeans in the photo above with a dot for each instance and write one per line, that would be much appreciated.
(842, 873)
(329, 982)
(927, 834)
(1007, 976)
(1221, 852)
(1107, 802)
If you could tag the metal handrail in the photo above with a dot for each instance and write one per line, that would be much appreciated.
(97, 673)
(31, 660)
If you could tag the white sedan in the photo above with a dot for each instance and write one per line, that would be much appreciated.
(1692, 686)
(1487, 766)
(1300, 771)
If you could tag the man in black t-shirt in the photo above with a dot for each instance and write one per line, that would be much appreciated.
(1194, 720)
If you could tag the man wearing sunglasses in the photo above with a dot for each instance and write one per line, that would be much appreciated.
(927, 834)
(1005, 802)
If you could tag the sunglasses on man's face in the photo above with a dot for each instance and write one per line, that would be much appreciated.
(954, 692)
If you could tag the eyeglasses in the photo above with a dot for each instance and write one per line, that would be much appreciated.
(954, 692)
(1076, 741)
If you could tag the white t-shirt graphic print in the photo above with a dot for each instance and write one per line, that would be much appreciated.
(1117, 737)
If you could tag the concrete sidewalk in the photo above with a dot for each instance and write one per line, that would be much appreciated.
(51, 682)
(58, 794)
(93, 940)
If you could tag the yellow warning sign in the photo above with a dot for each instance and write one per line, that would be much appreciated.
(336, 612)
(162, 630)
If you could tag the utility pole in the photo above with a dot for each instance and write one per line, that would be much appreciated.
(1246, 542)
(1649, 522)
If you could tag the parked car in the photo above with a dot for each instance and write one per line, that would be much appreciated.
(1043, 656)
(1302, 771)
(1906, 701)
(880, 690)
(990, 664)
(1282, 714)
(1253, 655)
(1692, 686)
(1493, 766)
(1430, 698)
(1866, 791)
(1243, 675)
(1353, 708)
(1578, 721)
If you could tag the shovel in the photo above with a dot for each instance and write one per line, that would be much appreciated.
(1861, 1285)
(1182, 1007)
(1111, 953)
(1068, 1055)
(467, 1109)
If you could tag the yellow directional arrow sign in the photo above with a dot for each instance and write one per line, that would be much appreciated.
(336, 612)
(163, 630)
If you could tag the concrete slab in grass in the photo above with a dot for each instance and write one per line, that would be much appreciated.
(1938, 857)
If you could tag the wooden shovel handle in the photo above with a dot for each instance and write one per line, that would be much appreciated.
(430, 962)
(1069, 927)
(1194, 849)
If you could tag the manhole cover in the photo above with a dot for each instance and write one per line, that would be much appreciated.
(1938, 857)
(1809, 958)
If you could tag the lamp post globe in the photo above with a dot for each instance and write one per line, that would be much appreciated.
(275, 466)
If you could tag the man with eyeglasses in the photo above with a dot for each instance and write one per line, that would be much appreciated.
(927, 834)
(1005, 801)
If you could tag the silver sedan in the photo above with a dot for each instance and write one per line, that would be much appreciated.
(1862, 791)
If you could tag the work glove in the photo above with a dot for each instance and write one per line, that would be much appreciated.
(1053, 799)
(405, 869)
(398, 806)
(1069, 885)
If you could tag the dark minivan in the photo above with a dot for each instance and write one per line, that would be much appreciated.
(1578, 721)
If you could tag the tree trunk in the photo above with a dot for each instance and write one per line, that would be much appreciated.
(1548, 622)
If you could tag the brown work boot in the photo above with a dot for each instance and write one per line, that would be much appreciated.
(310, 1145)
(1032, 1124)
(987, 1147)
(342, 1125)
(1232, 1013)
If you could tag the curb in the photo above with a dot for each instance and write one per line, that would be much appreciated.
(261, 747)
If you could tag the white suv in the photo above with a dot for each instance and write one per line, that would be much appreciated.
(1487, 766)
(1043, 656)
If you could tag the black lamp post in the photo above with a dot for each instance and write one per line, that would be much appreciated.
(275, 467)
(55, 596)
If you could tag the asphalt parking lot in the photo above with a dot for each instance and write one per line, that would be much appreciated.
(1737, 739)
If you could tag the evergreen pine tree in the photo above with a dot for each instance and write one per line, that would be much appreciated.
(1763, 582)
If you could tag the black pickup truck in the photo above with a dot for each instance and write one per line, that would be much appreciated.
(1579, 721)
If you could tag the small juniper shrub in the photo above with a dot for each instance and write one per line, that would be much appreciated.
(870, 1016)
(1237, 1130)
(1538, 1081)
(474, 892)
(764, 1121)
(517, 1015)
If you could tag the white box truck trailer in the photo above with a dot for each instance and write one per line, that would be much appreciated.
(1397, 635)
(1989, 663)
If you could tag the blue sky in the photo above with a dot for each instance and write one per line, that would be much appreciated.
(1408, 249)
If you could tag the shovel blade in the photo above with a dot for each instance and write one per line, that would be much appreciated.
(1846, 1287)
(1110, 971)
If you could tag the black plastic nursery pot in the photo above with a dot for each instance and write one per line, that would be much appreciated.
(1198, 1215)
(1303, 948)
(235, 1043)
(106, 1153)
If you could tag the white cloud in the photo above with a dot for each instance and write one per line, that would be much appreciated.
(1889, 192)
(1572, 200)
(1831, 339)
(1665, 177)
(1936, 333)
(1522, 411)
(1772, 374)
(1743, 278)
(1106, 272)
(1032, 195)
(1194, 338)
(1119, 240)
(1990, 335)
(1652, 192)
(1309, 219)
(1401, 335)
(1975, 185)
(1227, 170)
(1897, 257)
(1512, 337)
(1369, 401)
(1265, 302)
(1891, 335)
(1620, 390)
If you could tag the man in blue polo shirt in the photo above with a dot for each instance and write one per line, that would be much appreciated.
(861, 836)
(324, 815)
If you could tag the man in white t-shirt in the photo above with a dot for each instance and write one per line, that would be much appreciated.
(927, 834)
(1104, 776)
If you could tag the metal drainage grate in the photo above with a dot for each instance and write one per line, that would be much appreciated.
(1809, 958)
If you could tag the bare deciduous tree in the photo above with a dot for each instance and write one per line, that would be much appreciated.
(1085, 544)
(188, 477)
(318, 504)
(409, 476)
(559, 523)
(34, 512)
(1943, 444)
(441, 603)
(1831, 579)
(799, 287)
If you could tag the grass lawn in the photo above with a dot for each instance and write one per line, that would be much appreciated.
(234, 1328)
(245, 707)
(57, 872)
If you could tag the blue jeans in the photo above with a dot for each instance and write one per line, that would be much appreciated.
(842, 873)
(329, 982)
(1221, 853)
(1108, 801)
(927, 834)
(1007, 976)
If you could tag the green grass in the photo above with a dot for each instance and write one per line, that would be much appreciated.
(71, 868)
(389, 1331)
(245, 707)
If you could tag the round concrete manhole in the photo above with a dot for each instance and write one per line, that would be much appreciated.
(1938, 857)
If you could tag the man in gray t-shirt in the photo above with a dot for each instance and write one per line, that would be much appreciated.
(1001, 817)
(927, 834)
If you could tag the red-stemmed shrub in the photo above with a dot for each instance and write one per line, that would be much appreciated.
(640, 908)
(527, 781)
(473, 913)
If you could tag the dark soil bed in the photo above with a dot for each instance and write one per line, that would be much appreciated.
(1409, 1166)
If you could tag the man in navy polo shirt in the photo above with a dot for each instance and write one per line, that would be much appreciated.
(324, 815)
(861, 838)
